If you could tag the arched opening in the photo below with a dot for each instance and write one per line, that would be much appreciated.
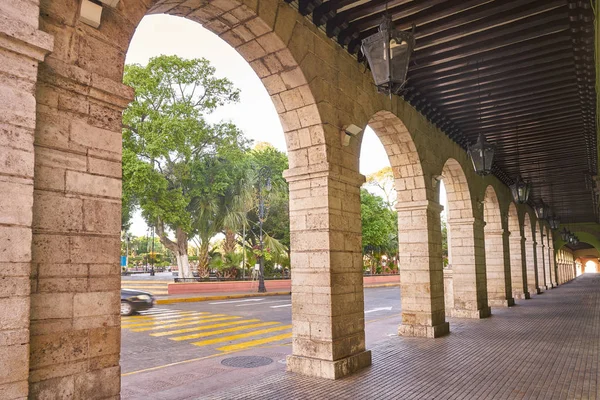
(529, 255)
(517, 257)
(497, 269)
(466, 246)
(419, 232)
(379, 237)
(591, 267)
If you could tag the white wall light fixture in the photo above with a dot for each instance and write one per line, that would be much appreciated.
(347, 133)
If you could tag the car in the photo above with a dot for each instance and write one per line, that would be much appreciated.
(133, 301)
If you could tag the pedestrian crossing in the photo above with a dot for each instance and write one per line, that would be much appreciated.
(222, 332)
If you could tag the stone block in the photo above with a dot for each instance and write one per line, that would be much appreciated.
(102, 216)
(96, 303)
(104, 167)
(58, 348)
(57, 388)
(56, 212)
(14, 365)
(328, 369)
(94, 185)
(94, 249)
(51, 306)
(16, 202)
(15, 244)
(98, 384)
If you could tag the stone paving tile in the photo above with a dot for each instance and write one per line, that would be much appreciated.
(544, 348)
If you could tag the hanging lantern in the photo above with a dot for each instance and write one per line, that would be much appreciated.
(388, 53)
(553, 221)
(482, 155)
(575, 240)
(564, 235)
(520, 190)
(541, 210)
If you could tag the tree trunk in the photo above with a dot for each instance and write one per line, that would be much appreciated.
(179, 248)
(229, 244)
(203, 258)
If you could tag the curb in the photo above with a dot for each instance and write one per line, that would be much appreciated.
(222, 297)
(382, 285)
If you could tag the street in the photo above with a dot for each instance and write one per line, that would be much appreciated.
(177, 333)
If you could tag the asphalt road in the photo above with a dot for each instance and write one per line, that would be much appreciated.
(174, 333)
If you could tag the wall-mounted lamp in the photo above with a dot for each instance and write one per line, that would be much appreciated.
(347, 133)
(91, 11)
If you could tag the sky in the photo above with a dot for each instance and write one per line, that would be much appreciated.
(255, 114)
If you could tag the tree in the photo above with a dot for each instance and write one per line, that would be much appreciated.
(175, 163)
(381, 183)
(379, 225)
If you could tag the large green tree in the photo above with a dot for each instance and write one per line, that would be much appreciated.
(175, 163)
(379, 225)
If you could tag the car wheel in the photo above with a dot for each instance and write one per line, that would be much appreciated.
(126, 308)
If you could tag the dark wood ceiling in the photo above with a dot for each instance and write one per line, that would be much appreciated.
(520, 71)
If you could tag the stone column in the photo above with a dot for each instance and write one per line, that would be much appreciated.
(544, 282)
(497, 260)
(22, 47)
(530, 267)
(517, 267)
(553, 266)
(327, 278)
(468, 269)
(549, 269)
(421, 269)
(538, 269)
(75, 322)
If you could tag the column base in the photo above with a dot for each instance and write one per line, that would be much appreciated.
(474, 314)
(522, 296)
(424, 330)
(502, 303)
(328, 369)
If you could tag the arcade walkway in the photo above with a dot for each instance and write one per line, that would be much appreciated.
(544, 348)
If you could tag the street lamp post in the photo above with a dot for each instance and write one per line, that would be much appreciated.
(153, 255)
(264, 182)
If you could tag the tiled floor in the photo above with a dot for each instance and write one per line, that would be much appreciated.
(544, 348)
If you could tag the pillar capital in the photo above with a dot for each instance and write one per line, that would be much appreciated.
(419, 205)
(496, 232)
(25, 39)
(472, 221)
(322, 170)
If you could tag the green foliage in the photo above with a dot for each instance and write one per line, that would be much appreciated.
(379, 223)
(277, 223)
(172, 157)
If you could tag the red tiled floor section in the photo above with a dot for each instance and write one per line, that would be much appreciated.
(543, 348)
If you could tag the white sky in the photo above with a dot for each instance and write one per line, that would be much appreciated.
(255, 114)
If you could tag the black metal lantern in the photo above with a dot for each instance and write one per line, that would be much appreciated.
(575, 241)
(541, 210)
(388, 53)
(565, 234)
(482, 155)
(553, 221)
(520, 190)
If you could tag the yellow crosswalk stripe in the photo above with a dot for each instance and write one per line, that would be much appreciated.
(160, 316)
(218, 332)
(155, 323)
(240, 336)
(253, 343)
(203, 328)
(198, 322)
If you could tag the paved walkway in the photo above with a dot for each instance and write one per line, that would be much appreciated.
(544, 348)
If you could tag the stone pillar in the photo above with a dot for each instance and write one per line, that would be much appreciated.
(497, 260)
(22, 47)
(75, 321)
(544, 282)
(327, 278)
(549, 267)
(531, 267)
(538, 270)
(421, 269)
(553, 266)
(468, 269)
(517, 266)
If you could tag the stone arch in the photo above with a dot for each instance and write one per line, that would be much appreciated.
(77, 184)
(517, 255)
(419, 232)
(528, 235)
(497, 257)
(466, 241)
